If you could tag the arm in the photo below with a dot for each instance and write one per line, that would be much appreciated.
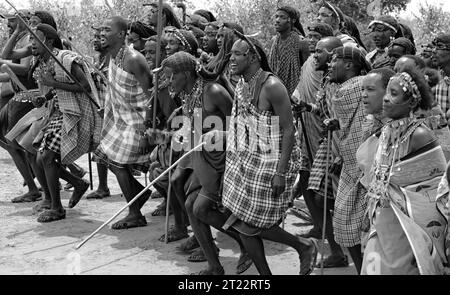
(218, 98)
(72, 87)
(137, 65)
(19, 69)
(4, 77)
(10, 53)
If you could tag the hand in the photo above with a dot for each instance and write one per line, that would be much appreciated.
(336, 166)
(331, 124)
(39, 101)
(278, 186)
(299, 108)
(144, 145)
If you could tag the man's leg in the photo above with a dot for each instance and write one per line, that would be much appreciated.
(38, 169)
(357, 256)
(337, 257)
(306, 248)
(255, 248)
(102, 189)
(129, 189)
(308, 196)
(80, 185)
(21, 162)
(49, 159)
(204, 236)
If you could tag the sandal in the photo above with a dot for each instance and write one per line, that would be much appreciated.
(244, 263)
(189, 245)
(199, 256)
(210, 272)
(99, 194)
(333, 261)
(129, 222)
(52, 215)
(174, 234)
(308, 259)
(78, 194)
(27, 198)
(42, 206)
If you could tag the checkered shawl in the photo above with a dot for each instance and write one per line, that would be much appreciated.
(442, 93)
(124, 118)
(350, 201)
(253, 153)
(285, 59)
(80, 119)
(316, 180)
(307, 88)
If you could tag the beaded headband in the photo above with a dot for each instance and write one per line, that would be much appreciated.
(384, 24)
(180, 38)
(409, 86)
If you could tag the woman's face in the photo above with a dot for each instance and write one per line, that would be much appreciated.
(373, 93)
(34, 21)
(150, 53)
(395, 104)
(173, 45)
(177, 81)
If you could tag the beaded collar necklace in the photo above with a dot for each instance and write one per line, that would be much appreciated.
(192, 99)
(120, 57)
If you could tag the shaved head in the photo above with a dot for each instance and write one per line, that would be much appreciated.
(120, 23)
(331, 43)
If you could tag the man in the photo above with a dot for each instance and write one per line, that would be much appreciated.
(314, 196)
(124, 144)
(289, 49)
(209, 44)
(205, 103)
(427, 56)
(347, 67)
(260, 166)
(306, 91)
(333, 16)
(15, 109)
(398, 48)
(73, 120)
(382, 31)
(441, 55)
(138, 32)
(101, 63)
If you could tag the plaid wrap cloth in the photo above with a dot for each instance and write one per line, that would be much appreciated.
(307, 88)
(442, 93)
(316, 180)
(80, 122)
(253, 153)
(124, 117)
(285, 59)
(350, 203)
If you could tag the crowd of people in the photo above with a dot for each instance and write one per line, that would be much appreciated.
(362, 136)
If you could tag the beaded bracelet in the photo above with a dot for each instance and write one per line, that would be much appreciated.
(280, 174)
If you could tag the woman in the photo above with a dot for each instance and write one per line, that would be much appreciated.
(403, 230)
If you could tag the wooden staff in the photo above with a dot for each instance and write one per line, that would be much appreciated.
(139, 195)
(169, 191)
(325, 199)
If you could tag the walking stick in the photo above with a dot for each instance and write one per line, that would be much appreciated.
(169, 191)
(325, 199)
(139, 195)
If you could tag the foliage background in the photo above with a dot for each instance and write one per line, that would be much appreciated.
(75, 21)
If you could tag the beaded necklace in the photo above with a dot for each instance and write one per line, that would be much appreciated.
(192, 100)
(120, 57)
(393, 134)
(246, 91)
(45, 67)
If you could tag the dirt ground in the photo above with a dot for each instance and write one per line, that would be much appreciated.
(28, 247)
